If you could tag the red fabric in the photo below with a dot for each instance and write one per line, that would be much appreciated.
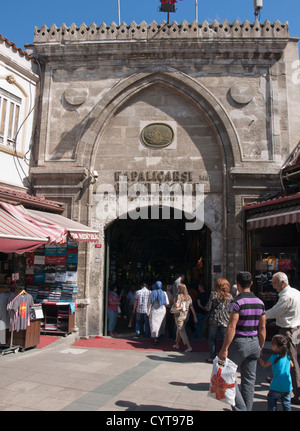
(138, 344)
(55, 233)
(16, 233)
(22, 230)
(45, 340)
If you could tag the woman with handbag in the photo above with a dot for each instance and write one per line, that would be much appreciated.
(181, 310)
(218, 307)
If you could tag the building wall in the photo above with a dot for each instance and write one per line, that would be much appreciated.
(18, 85)
(227, 91)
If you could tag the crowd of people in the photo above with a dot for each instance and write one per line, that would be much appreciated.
(233, 319)
(151, 308)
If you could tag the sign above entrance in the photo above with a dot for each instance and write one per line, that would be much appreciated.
(157, 135)
(155, 176)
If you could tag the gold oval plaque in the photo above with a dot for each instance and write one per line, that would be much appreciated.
(157, 135)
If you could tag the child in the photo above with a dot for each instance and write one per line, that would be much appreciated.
(281, 384)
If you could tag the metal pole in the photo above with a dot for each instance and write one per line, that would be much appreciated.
(196, 10)
(119, 12)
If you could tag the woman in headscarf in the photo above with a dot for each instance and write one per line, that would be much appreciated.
(157, 310)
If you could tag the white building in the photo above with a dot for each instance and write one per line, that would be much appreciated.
(19, 81)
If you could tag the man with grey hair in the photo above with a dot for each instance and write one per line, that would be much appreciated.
(287, 314)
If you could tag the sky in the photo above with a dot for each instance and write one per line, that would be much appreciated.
(19, 18)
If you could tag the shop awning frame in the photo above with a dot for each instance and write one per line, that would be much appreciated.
(78, 231)
(16, 236)
(24, 230)
(275, 217)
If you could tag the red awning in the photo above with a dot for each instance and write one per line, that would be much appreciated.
(78, 231)
(16, 236)
(272, 218)
(24, 230)
(54, 233)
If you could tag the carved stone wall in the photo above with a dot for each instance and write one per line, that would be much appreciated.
(216, 30)
(226, 90)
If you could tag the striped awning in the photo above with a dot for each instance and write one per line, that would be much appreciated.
(16, 236)
(78, 231)
(24, 230)
(282, 216)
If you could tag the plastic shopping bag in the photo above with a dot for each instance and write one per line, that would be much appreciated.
(222, 381)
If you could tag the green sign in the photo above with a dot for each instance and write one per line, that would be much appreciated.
(157, 135)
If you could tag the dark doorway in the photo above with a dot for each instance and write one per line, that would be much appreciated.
(149, 250)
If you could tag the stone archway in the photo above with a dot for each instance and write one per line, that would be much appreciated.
(216, 115)
(147, 250)
(112, 144)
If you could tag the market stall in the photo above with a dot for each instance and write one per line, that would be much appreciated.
(39, 251)
(273, 244)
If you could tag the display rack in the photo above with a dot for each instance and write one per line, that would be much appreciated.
(58, 318)
(29, 337)
(11, 348)
(268, 261)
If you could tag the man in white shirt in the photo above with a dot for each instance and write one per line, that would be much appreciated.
(140, 306)
(287, 314)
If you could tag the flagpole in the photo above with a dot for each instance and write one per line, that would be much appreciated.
(196, 9)
(119, 12)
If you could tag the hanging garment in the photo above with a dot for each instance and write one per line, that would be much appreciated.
(20, 311)
(5, 298)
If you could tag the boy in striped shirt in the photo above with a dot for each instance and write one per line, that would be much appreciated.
(245, 338)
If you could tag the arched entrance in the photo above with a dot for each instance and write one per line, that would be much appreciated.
(204, 148)
(147, 250)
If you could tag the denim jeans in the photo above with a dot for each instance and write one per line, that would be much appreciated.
(200, 318)
(215, 332)
(139, 320)
(274, 396)
(112, 319)
(244, 351)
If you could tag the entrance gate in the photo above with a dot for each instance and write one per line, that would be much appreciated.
(149, 250)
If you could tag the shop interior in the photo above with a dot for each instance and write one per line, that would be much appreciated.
(271, 250)
(275, 249)
(150, 250)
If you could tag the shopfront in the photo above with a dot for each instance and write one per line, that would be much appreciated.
(191, 107)
(38, 274)
(273, 243)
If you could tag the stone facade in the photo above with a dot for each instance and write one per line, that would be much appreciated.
(226, 90)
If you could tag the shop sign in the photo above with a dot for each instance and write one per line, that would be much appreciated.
(85, 236)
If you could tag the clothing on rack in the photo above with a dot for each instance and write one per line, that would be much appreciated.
(20, 311)
(5, 298)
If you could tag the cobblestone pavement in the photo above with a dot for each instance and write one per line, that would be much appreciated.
(60, 377)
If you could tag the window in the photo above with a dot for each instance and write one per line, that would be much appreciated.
(9, 118)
